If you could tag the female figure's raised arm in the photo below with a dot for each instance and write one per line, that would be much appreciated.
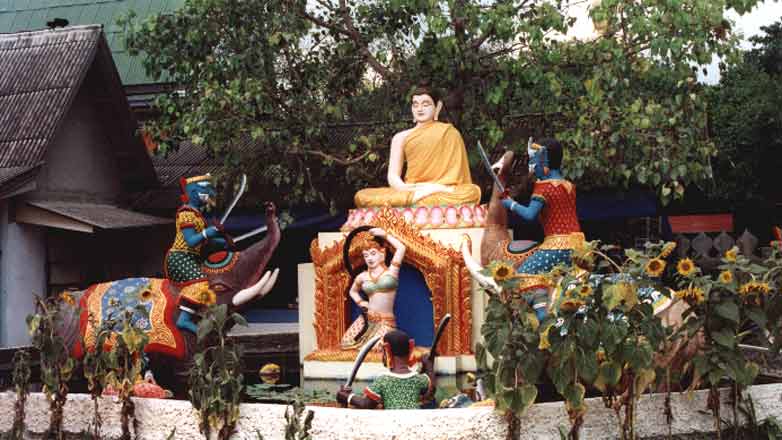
(399, 249)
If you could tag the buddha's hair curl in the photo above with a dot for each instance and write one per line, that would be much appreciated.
(425, 87)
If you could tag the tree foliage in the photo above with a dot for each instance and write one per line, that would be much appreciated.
(283, 74)
(746, 123)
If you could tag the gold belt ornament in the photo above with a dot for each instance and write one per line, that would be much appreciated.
(563, 241)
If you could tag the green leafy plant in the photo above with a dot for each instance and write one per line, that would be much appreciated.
(124, 362)
(96, 365)
(56, 363)
(21, 380)
(739, 305)
(297, 424)
(215, 379)
(603, 335)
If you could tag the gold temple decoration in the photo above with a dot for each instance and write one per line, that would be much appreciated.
(442, 268)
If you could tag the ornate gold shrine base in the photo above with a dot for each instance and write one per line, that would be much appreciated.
(324, 306)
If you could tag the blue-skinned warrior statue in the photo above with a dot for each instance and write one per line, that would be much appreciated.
(184, 259)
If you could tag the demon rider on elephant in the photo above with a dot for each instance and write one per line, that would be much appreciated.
(184, 259)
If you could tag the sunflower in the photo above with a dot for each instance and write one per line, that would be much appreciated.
(680, 294)
(544, 342)
(753, 287)
(726, 277)
(667, 249)
(686, 267)
(585, 291)
(655, 267)
(600, 354)
(730, 254)
(502, 271)
(692, 294)
(698, 295)
(67, 298)
(571, 304)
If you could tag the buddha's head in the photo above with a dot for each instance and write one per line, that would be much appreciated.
(425, 104)
(372, 249)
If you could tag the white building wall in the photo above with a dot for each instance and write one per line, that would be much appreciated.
(79, 162)
(22, 275)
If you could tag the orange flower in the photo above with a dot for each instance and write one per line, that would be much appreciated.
(726, 277)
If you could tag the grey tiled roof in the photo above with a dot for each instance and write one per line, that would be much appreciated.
(41, 73)
(40, 76)
(101, 215)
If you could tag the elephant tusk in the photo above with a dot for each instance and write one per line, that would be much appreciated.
(251, 292)
(270, 282)
(475, 269)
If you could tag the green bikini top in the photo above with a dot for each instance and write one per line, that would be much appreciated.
(384, 283)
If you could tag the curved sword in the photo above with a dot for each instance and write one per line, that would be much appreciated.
(239, 194)
(360, 359)
(487, 164)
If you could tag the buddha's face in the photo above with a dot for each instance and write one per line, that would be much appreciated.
(423, 108)
(373, 257)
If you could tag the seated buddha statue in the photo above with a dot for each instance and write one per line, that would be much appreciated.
(438, 172)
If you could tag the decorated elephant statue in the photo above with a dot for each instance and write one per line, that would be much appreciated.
(236, 277)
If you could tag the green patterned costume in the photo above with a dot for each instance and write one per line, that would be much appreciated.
(399, 391)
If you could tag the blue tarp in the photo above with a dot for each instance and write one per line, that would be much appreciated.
(612, 205)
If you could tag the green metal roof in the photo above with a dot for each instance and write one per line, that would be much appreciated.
(26, 15)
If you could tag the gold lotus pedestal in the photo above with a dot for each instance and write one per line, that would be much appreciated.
(324, 307)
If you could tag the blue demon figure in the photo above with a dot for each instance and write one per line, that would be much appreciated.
(553, 203)
(183, 260)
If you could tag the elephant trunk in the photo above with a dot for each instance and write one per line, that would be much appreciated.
(475, 269)
(495, 235)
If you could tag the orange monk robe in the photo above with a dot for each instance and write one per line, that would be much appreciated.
(434, 153)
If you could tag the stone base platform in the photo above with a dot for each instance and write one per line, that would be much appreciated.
(157, 419)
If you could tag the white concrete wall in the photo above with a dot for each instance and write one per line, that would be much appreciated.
(157, 418)
(22, 275)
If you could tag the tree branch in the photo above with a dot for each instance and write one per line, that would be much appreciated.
(379, 68)
(335, 159)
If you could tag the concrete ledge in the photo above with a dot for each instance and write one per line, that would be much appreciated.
(157, 418)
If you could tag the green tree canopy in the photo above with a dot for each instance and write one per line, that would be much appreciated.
(285, 73)
(746, 121)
